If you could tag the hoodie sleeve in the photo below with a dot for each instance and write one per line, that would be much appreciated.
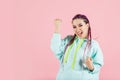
(58, 45)
(97, 57)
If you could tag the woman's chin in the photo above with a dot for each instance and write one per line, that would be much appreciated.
(81, 36)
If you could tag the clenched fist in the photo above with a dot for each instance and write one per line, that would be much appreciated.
(89, 63)
(57, 23)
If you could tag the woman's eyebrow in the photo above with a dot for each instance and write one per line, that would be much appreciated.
(79, 24)
(74, 25)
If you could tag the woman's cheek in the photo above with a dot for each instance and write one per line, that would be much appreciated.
(85, 32)
(84, 35)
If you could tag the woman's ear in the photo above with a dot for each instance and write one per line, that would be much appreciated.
(88, 24)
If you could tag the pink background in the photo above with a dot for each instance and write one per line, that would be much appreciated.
(26, 27)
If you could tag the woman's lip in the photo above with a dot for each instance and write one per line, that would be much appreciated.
(79, 32)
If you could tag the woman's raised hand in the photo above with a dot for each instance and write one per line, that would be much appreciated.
(57, 23)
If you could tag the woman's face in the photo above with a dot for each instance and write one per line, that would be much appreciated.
(80, 28)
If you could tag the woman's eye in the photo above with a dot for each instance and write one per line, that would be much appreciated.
(74, 26)
(80, 25)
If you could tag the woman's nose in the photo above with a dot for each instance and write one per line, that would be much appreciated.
(78, 29)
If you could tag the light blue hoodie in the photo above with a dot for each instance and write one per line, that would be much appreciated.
(80, 71)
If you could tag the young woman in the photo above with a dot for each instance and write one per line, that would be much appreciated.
(80, 56)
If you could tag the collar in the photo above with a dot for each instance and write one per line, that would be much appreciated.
(78, 39)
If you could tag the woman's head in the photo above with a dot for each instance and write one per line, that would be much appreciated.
(81, 26)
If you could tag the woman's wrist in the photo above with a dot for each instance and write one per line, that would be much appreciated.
(57, 30)
(91, 69)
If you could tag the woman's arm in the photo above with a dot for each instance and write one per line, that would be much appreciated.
(97, 57)
(58, 44)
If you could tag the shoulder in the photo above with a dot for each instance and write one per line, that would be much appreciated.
(95, 44)
(68, 37)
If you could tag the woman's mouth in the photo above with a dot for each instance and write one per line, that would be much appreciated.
(80, 33)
